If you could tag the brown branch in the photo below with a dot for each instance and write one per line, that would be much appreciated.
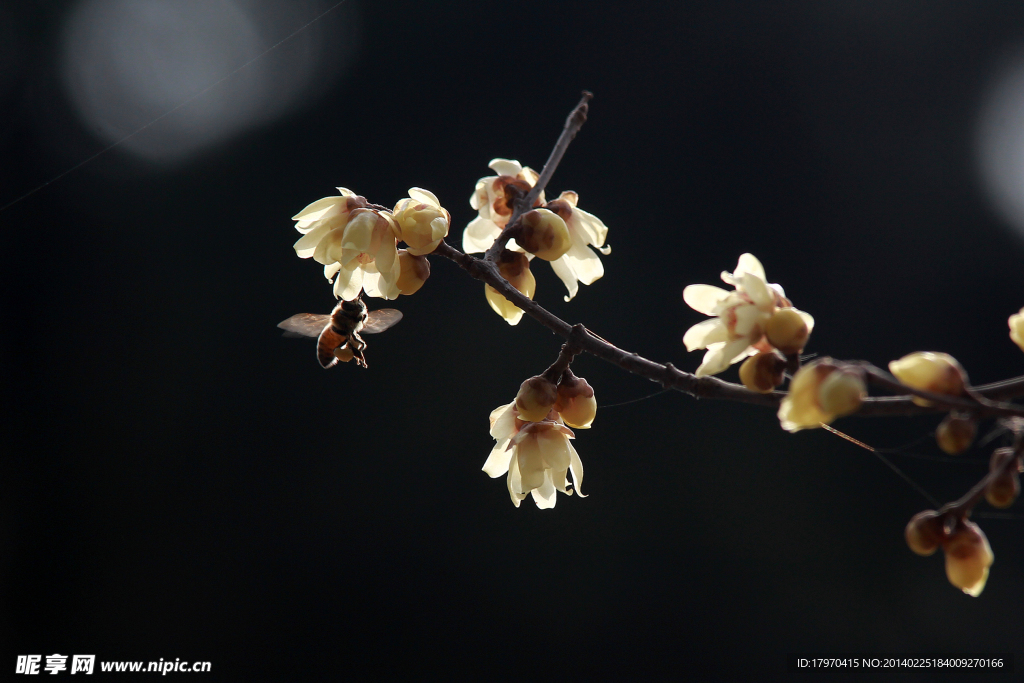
(664, 374)
(963, 506)
(981, 401)
(573, 123)
(975, 402)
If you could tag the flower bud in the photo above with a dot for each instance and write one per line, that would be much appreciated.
(1017, 328)
(414, 271)
(955, 433)
(514, 267)
(968, 557)
(787, 331)
(801, 409)
(1005, 487)
(535, 399)
(925, 532)
(544, 234)
(575, 402)
(762, 372)
(938, 373)
(842, 392)
(421, 222)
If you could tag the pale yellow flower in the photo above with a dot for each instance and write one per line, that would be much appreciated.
(738, 328)
(322, 216)
(938, 373)
(536, 456)
(1017, 328)
(580, 263)
(819, 393)
(421, 221)
(489, 199)
(362, 254)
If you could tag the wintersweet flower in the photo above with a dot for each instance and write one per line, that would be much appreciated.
(580, 263)
(544, 234)
(322, 216)
(741, 317)
(537, 456)
(421, 221)
(1017, 328)
(414, 271)
(491, 200)
(938, 373)
(968, 557)
(514, 267)
(362, 254)
(819, 393)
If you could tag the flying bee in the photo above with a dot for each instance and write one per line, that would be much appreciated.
(338, 333)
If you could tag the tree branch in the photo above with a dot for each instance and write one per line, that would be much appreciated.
(573, 123)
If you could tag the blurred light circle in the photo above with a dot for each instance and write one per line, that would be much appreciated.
(1000, 143)
(127, 63)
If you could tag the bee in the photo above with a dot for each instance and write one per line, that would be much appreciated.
(338, 333)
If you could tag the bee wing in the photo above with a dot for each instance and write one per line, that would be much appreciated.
(304, 325)
(380, 320)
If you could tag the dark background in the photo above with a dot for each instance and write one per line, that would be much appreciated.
(181, 482)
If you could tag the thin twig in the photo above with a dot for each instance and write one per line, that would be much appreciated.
(573, 123)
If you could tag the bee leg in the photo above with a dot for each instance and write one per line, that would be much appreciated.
(356, 344)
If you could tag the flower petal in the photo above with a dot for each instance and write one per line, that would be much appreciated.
(515, 481)
(585, 263)
(719, 356)
(757, 289)
(566, 274)
(348, 284)
(748, 264)
(479, 235)
(554, 449)
(306, 244)
(703, 298)
(596, 231)
(499, 460)
(576, 468)
(317, 209)
(531, 464)
(704, 333)
(545, 495)
(503, 422)
(424, 196)
(505, 167)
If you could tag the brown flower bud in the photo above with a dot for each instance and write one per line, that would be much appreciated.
(968, 557)
(925, 532)
(787, 331)
(843, 391)
(544, 234)
(955, 433)
(575, 401)
(938, 373)
(414, 271)
(535, 399)
(515, 268)
(763, 372)
(1005, 487)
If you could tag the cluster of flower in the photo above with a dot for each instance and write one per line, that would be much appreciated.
(532, 435)
(757, 324)
(358, 244)
(557, 231)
